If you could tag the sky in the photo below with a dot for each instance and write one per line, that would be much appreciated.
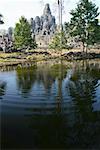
(12, 10)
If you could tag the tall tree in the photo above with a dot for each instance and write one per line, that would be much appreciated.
(96, 38)
(23, 35)
(83, 22)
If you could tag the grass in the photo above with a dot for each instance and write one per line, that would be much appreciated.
(8, 55)
(18, 57)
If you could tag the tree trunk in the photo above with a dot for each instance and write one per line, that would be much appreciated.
(86, 48)
(83, 46)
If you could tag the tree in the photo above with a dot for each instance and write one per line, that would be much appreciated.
(23, 35)
(83, 22)
(1, 21)
(96, 38)
(57, 42)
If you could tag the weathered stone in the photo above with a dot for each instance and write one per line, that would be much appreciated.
(43, 27)
(37, 24)
(1, 21)
(48, 21)
(10, 33)
(32, 22)
(47, 10)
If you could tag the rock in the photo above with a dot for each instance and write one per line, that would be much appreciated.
(43, 27)
(48, 21)
(47, 10)
(10, 33)
(37, 25)
(32, 22)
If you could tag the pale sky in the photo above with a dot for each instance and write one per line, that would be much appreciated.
(12, 10)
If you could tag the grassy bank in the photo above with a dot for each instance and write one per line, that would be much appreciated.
(41, 54)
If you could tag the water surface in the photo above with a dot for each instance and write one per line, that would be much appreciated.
(51, 105)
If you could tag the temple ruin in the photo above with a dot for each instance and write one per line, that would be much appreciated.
(44, 27)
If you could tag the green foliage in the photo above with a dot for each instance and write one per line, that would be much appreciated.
(22, 35)
(97, 32)
(83, 22)
(59, 41)
(67, 28)
(26, 78)
(58, 71)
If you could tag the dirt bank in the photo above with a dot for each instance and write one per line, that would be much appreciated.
(41, 54)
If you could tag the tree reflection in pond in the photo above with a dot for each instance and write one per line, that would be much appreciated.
(82, 87)
(59, 71)
(48, 74)
(83, 84)
(2, 88)
(26, 78)
(58, 110)
(53, 74)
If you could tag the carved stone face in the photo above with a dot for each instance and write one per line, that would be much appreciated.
(37, 24)
(37, 20)
(47, 9)
(44, 25)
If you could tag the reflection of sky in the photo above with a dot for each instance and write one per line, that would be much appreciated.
(10, 79)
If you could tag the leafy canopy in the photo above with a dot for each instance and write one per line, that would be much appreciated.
(23, 35)
(59, 41)
(84, 23)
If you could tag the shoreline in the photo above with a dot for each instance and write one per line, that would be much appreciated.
(33, 56)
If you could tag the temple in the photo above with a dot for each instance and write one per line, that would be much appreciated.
(44, 27)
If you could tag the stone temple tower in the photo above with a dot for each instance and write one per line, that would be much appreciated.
(44, 27)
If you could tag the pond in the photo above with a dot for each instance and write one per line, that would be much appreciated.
(52, 104)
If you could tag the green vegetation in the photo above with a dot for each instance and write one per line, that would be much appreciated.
(84, 23)
(84, 26)
(58, 71)
(59, 41)
(23, 36)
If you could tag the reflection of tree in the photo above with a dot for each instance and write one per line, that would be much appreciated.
(25, 78)
(83, 87)
(2, 88)
(44, 76)
(7, 68)
(59, 71)
(49, 131)
(76, 128)
(47, 74)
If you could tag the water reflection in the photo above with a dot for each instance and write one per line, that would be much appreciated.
(2, 88)
(83, 84)
(55, 107)
(47, 74)
(26, 78)
(82, 88)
